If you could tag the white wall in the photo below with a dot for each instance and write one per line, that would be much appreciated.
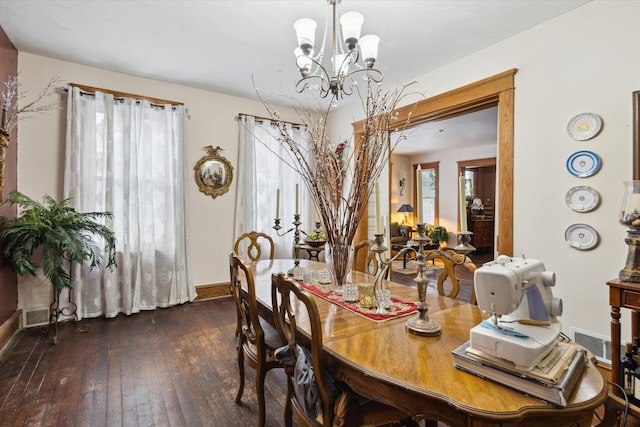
(400, 165)
(211, 122)
(581, 61)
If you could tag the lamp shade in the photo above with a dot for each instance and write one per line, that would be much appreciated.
(406, 208)
(306, 33)
(369, 49)
(351, 24)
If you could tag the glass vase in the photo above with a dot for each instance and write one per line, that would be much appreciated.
(339, 258)
(630, 209)
(630, 216)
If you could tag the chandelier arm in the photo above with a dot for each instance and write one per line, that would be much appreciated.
(323, 77)
(308, 81)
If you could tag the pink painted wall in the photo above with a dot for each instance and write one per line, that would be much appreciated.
(8, 279)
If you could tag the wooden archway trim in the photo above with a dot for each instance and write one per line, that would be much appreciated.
(495, 90)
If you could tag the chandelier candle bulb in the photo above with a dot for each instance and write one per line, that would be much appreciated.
(378, 219)
(297, 197)
(278, 203)
(463, 205)
(419, 194)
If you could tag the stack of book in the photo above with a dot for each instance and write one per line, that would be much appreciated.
(552, 380)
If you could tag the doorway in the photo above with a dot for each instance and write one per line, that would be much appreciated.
(496, 90)
(480, 189)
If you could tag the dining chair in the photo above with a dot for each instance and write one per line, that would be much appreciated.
(364, 260)
(255, 242)
(448, 271)
(310, 377)
(257, 339)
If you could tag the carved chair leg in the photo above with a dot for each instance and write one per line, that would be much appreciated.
(288, 415)
(240, 369)
(260, 377)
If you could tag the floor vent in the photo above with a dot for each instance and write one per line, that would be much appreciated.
(599, 345)
(37, 316)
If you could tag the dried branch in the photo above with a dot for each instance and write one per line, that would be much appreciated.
(341, 177)
(10, 97)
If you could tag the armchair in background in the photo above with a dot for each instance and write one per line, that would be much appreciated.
(399, 234)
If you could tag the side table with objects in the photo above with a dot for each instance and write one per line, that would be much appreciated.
(312, 250)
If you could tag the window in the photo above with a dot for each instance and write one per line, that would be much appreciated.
(429, 196)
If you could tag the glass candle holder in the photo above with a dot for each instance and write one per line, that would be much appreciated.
(630, 209)
(630, 217)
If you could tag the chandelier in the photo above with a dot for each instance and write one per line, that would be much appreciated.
(345, 58)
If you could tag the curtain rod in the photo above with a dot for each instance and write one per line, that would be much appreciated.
(90, 90)
(258, 118)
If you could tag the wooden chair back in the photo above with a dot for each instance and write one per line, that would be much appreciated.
(255, 242)
(364, 259)
(290, 303)
(257, 339)
(448, 271)
(293, 307)
(245, 299)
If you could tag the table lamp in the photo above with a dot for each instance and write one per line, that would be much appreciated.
(406, 208)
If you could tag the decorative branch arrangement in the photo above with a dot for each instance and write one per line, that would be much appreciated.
(10, 97)
(341, 177)
(11, 113)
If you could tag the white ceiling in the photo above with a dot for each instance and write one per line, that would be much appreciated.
(220, 45)
(227, 45)
(472, 129)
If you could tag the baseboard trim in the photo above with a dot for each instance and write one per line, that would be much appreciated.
(9, 328)
(213, 290)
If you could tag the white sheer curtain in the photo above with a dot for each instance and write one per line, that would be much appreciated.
(127, 157)
(260, 174)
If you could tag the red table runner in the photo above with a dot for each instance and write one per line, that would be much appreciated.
(400, 308)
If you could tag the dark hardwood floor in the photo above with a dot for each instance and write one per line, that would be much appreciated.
(168, 367)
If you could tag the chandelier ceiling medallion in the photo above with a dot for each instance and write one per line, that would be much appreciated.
(348, 49)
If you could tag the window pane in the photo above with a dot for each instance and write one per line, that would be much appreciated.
(428, 196)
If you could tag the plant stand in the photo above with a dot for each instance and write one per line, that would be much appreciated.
(55, 311)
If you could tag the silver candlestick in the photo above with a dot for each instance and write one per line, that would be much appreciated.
(296, 235)
(422, 324)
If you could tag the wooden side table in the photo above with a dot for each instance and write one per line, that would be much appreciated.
(622, 295)
(313, 251)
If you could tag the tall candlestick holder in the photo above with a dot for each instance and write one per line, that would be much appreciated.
(465, 243)
(421, 324)
(296, 234)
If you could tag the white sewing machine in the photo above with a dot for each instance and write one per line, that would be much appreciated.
(523, 327)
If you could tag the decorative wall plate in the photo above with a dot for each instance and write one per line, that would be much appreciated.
(582, 237)
(584, 126)
(582, 198)
(583, 163)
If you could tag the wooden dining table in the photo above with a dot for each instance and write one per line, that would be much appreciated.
(382, 361)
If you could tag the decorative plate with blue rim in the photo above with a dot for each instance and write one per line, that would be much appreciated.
(583, 163)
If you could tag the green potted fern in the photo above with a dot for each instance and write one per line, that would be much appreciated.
(438, 235)
(63, 234)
